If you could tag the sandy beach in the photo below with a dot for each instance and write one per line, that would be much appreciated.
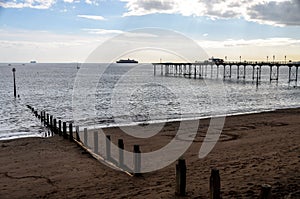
(253, 149)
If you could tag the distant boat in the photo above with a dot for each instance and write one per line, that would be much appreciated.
(127, 61)
(33, 62)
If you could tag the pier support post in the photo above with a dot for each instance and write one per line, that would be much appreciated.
(107, 144)
(121, 152)
(154, 69)
(215, 184)
(296, 75)
(290, 71)
(265, 192)
(180, 178)
(137, 160)
(96, 142)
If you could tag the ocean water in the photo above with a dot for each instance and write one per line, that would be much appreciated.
(101, 95)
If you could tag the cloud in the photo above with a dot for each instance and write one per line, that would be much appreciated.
(272, 12)
(102, 31)
(39, 4)
(93, 17)
(270, 42)
(276, 13)
(36, 4)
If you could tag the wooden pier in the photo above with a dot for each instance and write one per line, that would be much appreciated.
(229, 69)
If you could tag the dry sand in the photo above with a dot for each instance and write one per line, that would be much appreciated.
(253, 149)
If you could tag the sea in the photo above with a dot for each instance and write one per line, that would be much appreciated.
(108, 94)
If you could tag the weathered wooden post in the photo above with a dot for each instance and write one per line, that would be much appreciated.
(85, 137)
(14, 76)
(180, 178)
(71, 132)
(47, 123)
(77, 133)
(65, 130)
(257, 76)
(51, 123)
(54, 126)
(42, 116)
(107, 144)
(121, 152)
(96, 142)
(265, 192)
(59, 128)
(137, 160)
(215, 184)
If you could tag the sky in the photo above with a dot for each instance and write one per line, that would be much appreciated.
(70, 30)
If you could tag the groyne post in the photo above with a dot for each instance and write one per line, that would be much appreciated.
(107, 144)
(71, 132)
(77, 133)
(85, 136)
(51, 123)
(65, 130)
(215, 184)
(265, 192)
(180, 178)
(96, 142)
(137, 160)
(59, 128)
(121, 152)
(47, 124)
(54, 126)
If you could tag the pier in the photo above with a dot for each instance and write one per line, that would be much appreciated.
(228, 70)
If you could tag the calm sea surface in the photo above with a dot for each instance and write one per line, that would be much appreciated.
(120, 94)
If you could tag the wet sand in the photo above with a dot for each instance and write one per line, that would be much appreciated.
(253, 149)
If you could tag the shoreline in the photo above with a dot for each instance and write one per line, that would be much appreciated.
(253, 149)
(183, 119)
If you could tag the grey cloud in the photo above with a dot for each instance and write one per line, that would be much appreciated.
(155, 5)
(281, 13)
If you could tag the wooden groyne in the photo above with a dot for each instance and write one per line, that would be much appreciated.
(68, 132)
(212, 70)
(71, 133)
